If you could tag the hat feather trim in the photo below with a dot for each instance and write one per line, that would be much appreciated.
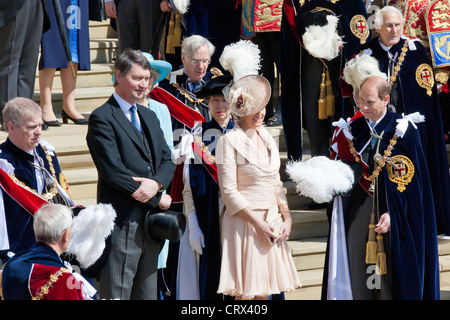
(90, 228)
(181, 5)
(323, 42)
(241, 58)
(320, 178)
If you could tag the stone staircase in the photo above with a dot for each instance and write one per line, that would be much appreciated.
(309, 232)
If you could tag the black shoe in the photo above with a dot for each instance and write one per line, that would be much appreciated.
(274, 120)
(66, 117)
(54, 123)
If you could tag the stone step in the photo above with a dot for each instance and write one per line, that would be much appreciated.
(309, 258)
(86, 99)
(101, 30)
(99, 75)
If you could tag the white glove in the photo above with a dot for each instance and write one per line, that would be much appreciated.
(196, 238)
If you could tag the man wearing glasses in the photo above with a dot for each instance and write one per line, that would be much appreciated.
(196, 52)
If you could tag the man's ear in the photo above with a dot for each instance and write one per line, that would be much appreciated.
(117, 75)
(10, 126)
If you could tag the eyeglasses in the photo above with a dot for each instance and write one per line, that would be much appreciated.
(197, 62)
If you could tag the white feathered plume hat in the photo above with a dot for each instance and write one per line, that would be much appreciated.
(320, 178)
(323, 42)
(90, 227)
(360, 68)
(249, 92)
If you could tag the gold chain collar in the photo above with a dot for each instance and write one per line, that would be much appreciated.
(52, 192)
(381, 160)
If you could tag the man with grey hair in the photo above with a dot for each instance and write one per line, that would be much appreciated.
(413, 89)
(31, 163)
(196, 53)
(134, 168)
(39, 273)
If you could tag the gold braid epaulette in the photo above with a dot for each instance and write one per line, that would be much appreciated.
(46, 287)
(187, 95)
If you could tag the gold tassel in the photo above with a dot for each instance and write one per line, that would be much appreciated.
(322, 114)
(177, 31)
(330, 96)
(170, 42)
(381, 266)
(371, 245)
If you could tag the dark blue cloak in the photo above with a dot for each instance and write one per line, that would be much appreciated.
(19, 221)
(205, 193)
(17, 270)
(408, 97)
(414, 250)
(414, 269)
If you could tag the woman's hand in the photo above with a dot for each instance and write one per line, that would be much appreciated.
(285, 229)
(265, 232)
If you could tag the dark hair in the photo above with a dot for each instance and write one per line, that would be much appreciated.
(126, 59)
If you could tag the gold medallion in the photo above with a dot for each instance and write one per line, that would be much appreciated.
(425, 77)
(359, 28)
(400, 170)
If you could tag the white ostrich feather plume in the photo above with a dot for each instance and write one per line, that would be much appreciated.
(241, 59)
(359, 68)
(320, 178)
(182, 5)
(323, 41)
(90, 228)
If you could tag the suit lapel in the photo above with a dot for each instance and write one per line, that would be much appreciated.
(147, 125)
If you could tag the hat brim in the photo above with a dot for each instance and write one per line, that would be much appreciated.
(214, 87)
(163, 68)
(249, 95)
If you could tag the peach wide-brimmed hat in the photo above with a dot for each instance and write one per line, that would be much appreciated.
(249, 95)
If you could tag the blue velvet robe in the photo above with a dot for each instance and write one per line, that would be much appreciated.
(408, 97)
(414, 269)
(19, 221)
(17, 271)
(205, 193)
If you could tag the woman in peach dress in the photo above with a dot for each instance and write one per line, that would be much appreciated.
(256, 261)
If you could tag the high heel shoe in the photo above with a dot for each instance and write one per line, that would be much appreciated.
(65, 117)
(53, 123)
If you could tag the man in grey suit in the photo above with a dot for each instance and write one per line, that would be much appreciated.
(22, 23)
(134, 166)
(137, 22)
